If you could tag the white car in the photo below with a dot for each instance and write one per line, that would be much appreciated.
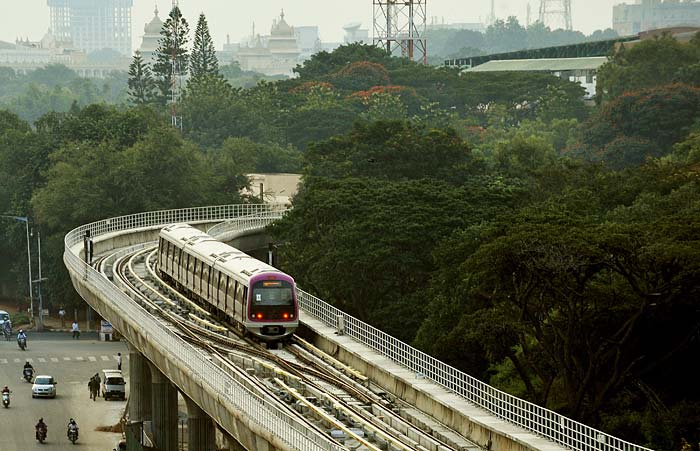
(44, 387)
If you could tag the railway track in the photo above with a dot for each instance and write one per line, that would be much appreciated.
(328, 396)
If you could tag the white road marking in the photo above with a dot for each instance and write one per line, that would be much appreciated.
(3, 360)
(42, 360)
(17, 360)
(80, 359)
(67, 359)
(92, 358)
(54, 359)
(30, 360)
(105, 358)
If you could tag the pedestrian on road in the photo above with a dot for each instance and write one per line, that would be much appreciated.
(94, 389)
(119, 361)
(76, 330)
(62, 315)
(91, 384)
(98, 382)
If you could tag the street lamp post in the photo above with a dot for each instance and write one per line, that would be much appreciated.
(40, 324)
(25, 220)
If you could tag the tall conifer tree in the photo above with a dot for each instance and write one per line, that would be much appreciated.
(172, 46)
(203, 61)
(142, 86)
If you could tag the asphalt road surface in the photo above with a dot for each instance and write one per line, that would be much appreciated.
(71, 363)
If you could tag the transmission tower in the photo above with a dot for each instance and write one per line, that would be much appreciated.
(399, 27)
(556, 13)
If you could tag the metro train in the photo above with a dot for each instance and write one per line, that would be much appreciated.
(255, 297)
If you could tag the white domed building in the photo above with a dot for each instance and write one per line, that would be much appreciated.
(151, 36)
(278, 57)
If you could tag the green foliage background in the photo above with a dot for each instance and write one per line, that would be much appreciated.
(493, 220)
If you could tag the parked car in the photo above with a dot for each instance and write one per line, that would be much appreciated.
(113, 385)
(44, 387)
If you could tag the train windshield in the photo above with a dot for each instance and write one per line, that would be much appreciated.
(272, 292)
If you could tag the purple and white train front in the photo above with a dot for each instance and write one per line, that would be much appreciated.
(232, 285)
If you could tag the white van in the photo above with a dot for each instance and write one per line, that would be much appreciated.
(113, 385)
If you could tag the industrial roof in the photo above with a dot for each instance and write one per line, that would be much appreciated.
(542, 65)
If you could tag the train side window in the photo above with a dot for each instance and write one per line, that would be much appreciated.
(190, 268)
(222, 287)
(183, 265)
(176, 259)
(214, 285)
(171, 255)
(230, 293)
(239, 293)
(205, 279)
(197, 275)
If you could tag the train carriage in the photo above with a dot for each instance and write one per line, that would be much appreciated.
(255, 296)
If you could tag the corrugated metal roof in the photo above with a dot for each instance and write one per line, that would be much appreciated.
(542, 65)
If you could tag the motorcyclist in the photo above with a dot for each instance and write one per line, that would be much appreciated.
(7, 327)
(28, 365)
(40, 426)
(72, 426)
(5, 390)
(21, 335)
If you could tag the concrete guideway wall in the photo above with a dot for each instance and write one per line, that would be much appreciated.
(254, 421)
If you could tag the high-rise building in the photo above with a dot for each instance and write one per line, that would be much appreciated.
(654, 14)
(91, 25)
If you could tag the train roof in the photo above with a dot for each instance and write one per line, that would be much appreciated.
(221, 256)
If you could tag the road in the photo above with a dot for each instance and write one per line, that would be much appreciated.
(71, 363)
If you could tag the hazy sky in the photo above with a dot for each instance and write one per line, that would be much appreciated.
(30, 18)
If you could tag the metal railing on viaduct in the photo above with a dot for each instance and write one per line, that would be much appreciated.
(530, 417)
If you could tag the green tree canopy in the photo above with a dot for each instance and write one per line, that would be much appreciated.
(172, 46)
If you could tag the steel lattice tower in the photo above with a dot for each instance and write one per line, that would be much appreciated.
(399, 27)
(175, 77)
(556, 13)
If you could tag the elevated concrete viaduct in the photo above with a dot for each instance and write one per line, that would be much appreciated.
(162, 364)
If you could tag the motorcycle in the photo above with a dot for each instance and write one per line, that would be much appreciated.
(28, 373)
(73, 435)
(41, 434)
(6, 399)
(22, 343)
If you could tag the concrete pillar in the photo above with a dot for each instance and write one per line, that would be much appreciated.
(200, 429)
(139, 397)
(139, 386)
(164, 411)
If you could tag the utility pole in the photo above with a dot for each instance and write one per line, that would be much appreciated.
(40, 324)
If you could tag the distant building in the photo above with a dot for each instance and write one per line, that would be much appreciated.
(276, 54)
(307, 38)
(91, 25)
(355, 33)
(435, 24)
(151, 36)
(578, 70)
(647, 15)
(25, 56)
